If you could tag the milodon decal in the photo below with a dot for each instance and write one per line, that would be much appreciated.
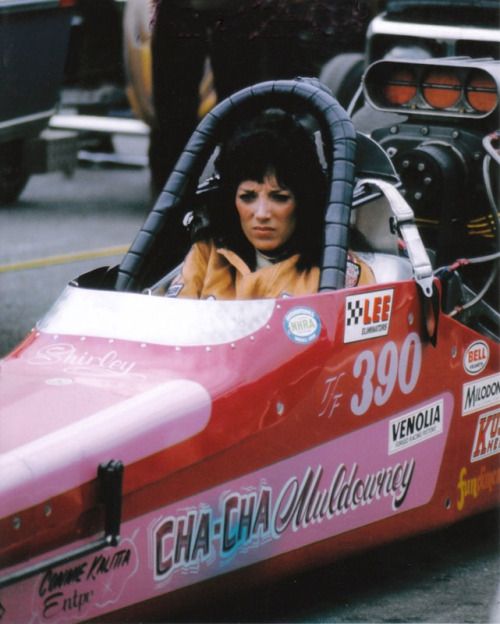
(68, 359)
(476, 357)
(480, 394)
(335, 487)
(487, 438)
(472, 486)
(302, 325)
(416, 426)
(368, 315)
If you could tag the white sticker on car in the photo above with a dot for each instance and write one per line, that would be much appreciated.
(416, 426)
(476, 357)
(368, 315)
(481, 393)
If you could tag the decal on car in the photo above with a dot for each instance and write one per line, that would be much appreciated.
(380, 375)
(480, 394)
(330, 400)
(249, 521)
(79, 582)
(416, 426)
(487, 438)
(73, 591)
(79, 362)
(319, 493)
(473, 486)
(302, 325)
(476, 357)
(368, 315)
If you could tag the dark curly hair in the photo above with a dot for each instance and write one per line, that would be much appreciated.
(273, 142)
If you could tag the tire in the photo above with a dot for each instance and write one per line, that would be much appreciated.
(13, 171)
(342, 75)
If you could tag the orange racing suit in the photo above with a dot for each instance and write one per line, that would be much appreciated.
(219, 273)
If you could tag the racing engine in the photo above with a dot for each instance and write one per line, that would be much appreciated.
(443, 140)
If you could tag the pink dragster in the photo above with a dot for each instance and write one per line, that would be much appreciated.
(152, 448)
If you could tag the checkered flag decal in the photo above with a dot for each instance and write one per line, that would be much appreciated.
(354, 312)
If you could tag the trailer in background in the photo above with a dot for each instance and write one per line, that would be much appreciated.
(34, 37)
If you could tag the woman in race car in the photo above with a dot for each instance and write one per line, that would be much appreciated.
(266, 236)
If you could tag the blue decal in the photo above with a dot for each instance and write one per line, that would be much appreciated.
(302, 325)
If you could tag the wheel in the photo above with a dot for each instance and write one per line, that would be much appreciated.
(342, 75)
(13, 172)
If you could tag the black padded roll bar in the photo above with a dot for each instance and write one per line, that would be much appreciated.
(301, 95)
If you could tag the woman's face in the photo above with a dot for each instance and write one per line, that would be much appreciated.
(267, 212)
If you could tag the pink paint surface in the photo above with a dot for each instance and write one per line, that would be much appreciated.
(131, 429)
(204, 528)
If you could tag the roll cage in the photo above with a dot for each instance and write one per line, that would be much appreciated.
(163, 240)
(151, 256)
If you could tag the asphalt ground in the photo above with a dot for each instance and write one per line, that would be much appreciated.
(61, 227)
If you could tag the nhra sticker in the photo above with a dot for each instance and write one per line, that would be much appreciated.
(368, 315)
(302, 325)
(416, 426)
(476, 357)
(481, 393)
(487, 439)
